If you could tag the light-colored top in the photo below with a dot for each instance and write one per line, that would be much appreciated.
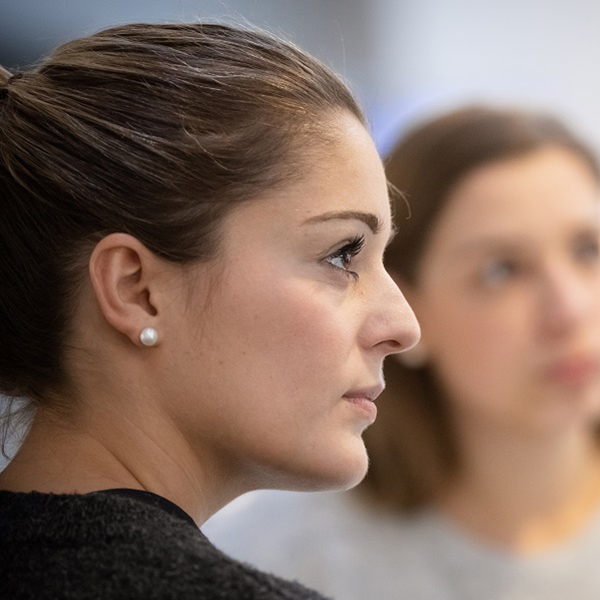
(334, 543)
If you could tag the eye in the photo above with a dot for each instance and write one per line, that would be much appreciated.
(587, 249)
(341, 259)
(498, 272)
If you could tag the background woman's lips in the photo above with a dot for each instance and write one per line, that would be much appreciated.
(574, 371)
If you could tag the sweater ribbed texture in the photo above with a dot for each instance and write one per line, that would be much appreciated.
(117, 546)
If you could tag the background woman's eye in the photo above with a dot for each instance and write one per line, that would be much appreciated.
(587, 250)
(497, 272)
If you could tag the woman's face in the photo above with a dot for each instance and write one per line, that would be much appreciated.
(508, 293)
(279, 358)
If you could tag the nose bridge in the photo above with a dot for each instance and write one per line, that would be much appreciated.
(566, 295)
(392, 324)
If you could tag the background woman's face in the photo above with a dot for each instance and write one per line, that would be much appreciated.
(508, 294)
(278, 361)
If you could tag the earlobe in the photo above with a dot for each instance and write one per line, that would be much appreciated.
(122, 272)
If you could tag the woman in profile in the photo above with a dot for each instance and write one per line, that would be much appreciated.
(484, 480)
(194, 303)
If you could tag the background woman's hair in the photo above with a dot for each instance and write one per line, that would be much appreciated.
(411, 445)
(152, 130)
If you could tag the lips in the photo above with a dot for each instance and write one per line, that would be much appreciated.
(363, 400)
(368, 393)
(574, 370)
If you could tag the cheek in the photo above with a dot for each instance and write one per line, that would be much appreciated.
(268, 370)
(475, 348)
(288, 335)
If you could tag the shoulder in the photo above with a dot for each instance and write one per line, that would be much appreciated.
(115, 547)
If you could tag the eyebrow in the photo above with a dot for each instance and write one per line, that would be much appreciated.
(372, 221)
(500, 243)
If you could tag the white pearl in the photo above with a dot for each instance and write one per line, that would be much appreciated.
(149, 336)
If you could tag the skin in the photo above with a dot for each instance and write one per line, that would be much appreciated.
(508, 296)
(268, 359)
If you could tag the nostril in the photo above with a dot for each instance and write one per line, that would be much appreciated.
(393, 346)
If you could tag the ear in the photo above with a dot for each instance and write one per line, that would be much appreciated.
(125, 277)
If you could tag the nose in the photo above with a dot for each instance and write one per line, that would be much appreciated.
(568, 297)
(392, 326)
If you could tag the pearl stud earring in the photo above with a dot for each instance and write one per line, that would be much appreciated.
(148, 336)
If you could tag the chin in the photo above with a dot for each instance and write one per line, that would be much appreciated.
(568, 411)
(343, 470)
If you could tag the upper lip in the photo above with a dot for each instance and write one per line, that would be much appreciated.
(574, 359)
(370, 393)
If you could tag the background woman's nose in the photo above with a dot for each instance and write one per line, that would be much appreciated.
(567, 298)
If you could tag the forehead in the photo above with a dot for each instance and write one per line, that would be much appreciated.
(345, 174)
(529, 195)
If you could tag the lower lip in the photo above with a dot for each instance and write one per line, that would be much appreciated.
(574, 373)
(364, 405)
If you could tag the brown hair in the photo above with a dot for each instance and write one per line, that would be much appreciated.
(152, 130)
(411, 446)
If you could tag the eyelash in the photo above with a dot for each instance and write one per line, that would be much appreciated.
(346, 253)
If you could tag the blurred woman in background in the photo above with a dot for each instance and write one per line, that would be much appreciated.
(484, 480)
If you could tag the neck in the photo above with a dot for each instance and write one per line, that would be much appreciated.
(522, 491)
(104, 450)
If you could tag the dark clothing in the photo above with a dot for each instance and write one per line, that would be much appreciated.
(119, 544)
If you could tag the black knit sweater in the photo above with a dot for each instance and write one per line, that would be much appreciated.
(119, 544)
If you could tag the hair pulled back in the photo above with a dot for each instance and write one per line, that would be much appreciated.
(152, 130)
